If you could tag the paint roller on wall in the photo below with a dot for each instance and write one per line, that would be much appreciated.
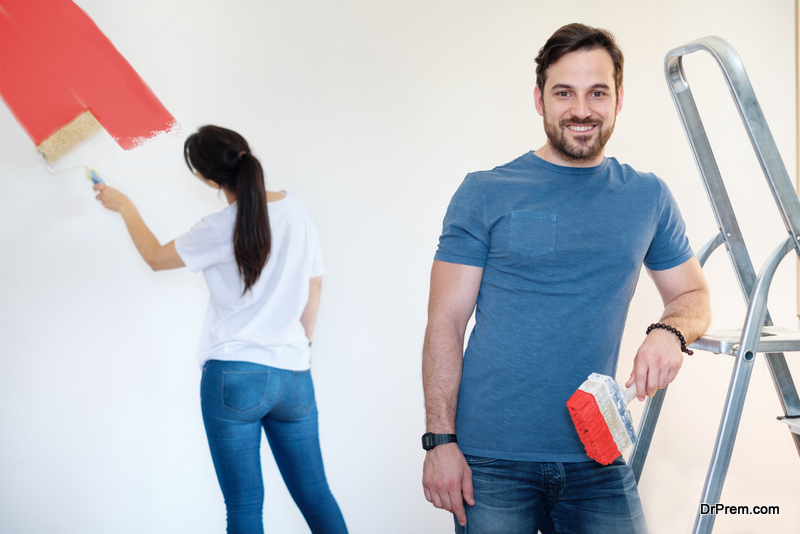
(63, 80)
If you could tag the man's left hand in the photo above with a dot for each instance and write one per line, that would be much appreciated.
(657, 363)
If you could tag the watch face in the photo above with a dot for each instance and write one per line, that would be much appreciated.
(427, 441)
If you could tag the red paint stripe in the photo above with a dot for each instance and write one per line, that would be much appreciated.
(55, 63)
(592, 427)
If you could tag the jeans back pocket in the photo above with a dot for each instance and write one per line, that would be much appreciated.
(303, 390)
(244, 391)
(532, 234)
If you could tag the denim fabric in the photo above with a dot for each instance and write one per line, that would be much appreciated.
(554, 498)
(238, 400)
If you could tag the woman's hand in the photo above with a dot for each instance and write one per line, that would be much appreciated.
(111, 198)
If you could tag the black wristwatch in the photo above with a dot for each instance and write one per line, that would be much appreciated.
(429, 440)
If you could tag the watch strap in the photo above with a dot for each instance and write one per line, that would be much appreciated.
(430, 440)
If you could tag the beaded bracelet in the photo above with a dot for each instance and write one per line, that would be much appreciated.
(674, 331)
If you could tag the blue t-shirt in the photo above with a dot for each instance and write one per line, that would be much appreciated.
(561, 249)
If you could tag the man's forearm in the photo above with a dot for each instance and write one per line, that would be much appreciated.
(690, 313)
(442, 361)
(454, 293)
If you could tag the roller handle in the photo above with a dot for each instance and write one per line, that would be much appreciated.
(94, 176)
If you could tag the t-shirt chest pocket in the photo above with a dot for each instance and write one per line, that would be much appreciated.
(532, 234)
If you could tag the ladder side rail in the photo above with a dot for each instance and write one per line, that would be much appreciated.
(652, 407)
(758, 131)
(709, 171)
(740, 379)
(776, 361)
(712, 245)
(647, 426)
(757, 311)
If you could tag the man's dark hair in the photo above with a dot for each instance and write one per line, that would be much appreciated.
(574, 37)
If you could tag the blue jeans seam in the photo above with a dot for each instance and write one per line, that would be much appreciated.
(280, 392)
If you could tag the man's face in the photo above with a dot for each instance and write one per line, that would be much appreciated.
(579, 106)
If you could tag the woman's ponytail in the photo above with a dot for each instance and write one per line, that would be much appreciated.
(252, 239)
(223, 156)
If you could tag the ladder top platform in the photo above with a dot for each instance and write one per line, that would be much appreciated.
(773, 339)
(792, 421)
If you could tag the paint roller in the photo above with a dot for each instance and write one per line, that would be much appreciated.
(74, 137)
(67, 137)
(57, 65)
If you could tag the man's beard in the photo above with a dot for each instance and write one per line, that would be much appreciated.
(582, 148)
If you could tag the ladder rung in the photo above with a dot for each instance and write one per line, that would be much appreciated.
(773, 339)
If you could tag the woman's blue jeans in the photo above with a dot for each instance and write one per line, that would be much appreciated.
(238, 400)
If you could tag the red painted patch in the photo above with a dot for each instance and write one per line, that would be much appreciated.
(592, 427)
(55, 63)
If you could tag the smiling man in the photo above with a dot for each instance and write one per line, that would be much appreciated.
(546, 250)
(588, 113)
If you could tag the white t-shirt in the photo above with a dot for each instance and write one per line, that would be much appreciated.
(263, 325)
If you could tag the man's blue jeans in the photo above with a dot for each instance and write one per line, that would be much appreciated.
(238, 400)
(554, 498)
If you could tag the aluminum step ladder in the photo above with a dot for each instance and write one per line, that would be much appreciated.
(757, 335)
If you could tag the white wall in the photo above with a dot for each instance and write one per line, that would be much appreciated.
(372, 113)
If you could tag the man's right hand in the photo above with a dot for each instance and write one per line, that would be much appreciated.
(447, 480)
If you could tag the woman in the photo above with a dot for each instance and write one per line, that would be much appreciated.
(264, 275)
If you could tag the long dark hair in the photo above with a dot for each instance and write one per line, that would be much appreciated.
(223, 156)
